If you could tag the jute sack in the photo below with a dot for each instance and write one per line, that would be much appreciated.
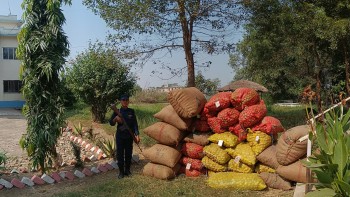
(187, 102)
(162, 154)
(169, 115)
(273, 180)
(289, 149)
(268, 157)
(164, 133)
(293, 172)
(198, 138)
(160, 171)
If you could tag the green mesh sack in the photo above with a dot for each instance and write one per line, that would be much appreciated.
(239, 166)
(258, 140)
(235, 180)
(230, 140)
(259, 168)
(216, 153)
(244, 152)
(212, 165)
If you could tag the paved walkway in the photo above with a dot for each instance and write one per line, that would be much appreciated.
(12, 125)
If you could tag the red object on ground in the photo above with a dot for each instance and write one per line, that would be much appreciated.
(228, 117)
(87, 172)
(240, 132)
(218, 102)
(269, 125)
(56, 177)
(252, 115)
(201, 125)
(196, 164)
(244, 97)
(37, 180)
(17, 183)
(215, 125)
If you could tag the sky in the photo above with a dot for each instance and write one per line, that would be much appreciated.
(83, 26)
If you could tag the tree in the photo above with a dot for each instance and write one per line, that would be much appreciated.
(98, 78)
(207, 86)
(144, 27)
(42, 49)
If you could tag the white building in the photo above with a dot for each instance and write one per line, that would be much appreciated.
(10, 84)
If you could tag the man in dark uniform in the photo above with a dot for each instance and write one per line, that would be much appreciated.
(124, 140)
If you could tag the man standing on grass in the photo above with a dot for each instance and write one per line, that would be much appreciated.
(124, 139)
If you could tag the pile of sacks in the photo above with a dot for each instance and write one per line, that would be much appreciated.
(230, 136)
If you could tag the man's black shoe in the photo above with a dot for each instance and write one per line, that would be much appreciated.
(128, 173)
(120, 176)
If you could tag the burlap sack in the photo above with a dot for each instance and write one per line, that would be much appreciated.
(165, 133)
(289, 149)
(198, 138)
(268, 157)
(169, 115)
(162, 154)
(160, 171)
(187, 102)
(273, 180)
(293, 172)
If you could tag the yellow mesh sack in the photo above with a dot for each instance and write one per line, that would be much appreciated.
(235, 180)
(259, 168)
(230, 140)
(212, 165)
(245, 153)
(258, 140)
(239, 166)
(216, 153)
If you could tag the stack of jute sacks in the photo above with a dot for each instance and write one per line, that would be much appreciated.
(286, 157)
(166, 156)
(230, 135)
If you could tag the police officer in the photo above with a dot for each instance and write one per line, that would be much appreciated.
(124, 140)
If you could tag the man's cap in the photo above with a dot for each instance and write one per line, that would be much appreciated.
(124, 96)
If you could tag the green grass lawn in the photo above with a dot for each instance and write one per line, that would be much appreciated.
(140, 185)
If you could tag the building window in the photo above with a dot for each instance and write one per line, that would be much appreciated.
(9, 53)
(12, 86)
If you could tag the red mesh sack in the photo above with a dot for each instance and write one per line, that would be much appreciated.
(244, 97)
(240, 132)
(192, 150)
(228, 117)
(215, 125)
(208, 114)
(196, 164)
(191, 172)
(201, 125)
(252, 115)
(219, 101)
(269, 125)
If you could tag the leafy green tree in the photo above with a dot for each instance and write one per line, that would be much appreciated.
(98, 78)
(42, 49)
(144, 27)
(207, 86)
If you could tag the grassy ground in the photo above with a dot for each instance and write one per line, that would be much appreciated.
(140, 185)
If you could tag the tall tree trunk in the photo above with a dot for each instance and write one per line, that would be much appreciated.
(187, 44)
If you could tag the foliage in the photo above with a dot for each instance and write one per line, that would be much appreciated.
(99, 78)
(78, 130)
(68, 96)
(290, 44)
(207, 86)
(146, 27)
(108, 146)
(3, 159)
(331, 162)
(42, 49)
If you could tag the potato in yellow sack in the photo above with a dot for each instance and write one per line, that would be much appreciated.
(244, 151)
(216, 153)
(229, 140)
(238, 166)
(212, 165)
(258, 140)
(259, 168)
(236, 180)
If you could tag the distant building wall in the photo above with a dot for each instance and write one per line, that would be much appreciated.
(9, 64)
